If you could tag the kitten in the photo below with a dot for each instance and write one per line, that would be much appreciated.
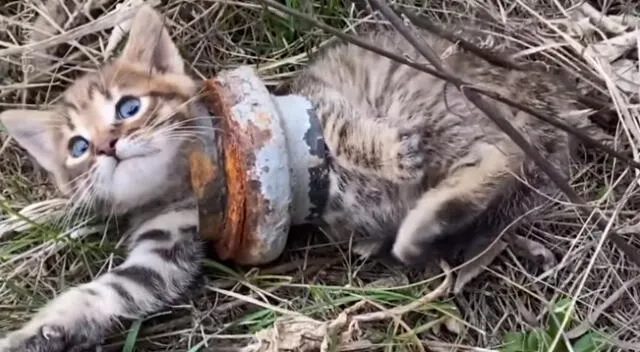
(412, 164)
(418, 167)
(119, 140)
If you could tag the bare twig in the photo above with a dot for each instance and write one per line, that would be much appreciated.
(463, 43)
(584, 326)
(108, 21)
(422, 21)
(415, 305)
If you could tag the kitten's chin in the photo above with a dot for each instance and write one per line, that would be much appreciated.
(137, 181)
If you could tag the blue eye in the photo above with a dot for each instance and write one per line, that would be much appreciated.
(127, 107)
(78, 146)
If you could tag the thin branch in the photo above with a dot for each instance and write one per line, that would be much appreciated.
(422, 22)
(503, 124)
(416, 305)
(424, 68)
(475, 98)
(109, 20)
(585, 325)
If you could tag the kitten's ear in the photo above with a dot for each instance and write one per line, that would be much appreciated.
(35, 131)
(149, 43)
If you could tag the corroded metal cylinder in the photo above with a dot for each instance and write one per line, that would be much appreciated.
(262, 169)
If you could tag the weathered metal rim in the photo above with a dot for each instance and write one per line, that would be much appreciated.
(249, 221)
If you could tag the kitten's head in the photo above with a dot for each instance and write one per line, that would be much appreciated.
(117, 136)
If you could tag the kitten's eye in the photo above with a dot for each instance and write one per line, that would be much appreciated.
(78, 146)
(127, 107)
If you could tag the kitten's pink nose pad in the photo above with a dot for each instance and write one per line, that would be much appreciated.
(107, 147)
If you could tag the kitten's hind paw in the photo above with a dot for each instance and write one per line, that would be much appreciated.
(378, 249)
(409, 157)
(368, 248)
(533, 251)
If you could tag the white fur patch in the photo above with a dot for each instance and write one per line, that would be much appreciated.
(127, 148)
(142, 173)
(103, 176)
(137, 180)
(171, 221)
(107, 109)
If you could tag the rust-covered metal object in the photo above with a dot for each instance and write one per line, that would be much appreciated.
(262, 170)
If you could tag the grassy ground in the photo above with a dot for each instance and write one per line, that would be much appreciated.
(592, 283)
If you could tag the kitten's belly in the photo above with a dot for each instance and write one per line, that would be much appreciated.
(366, 206)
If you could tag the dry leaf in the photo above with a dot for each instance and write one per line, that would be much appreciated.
(576, 25)
(291, 334)
(585, 20)
(303, 334)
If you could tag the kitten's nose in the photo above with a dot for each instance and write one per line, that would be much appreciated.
(107, 147)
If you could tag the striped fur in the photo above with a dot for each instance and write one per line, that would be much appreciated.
(136, 167)
(162, 263)
(413, 165)
(417, 167)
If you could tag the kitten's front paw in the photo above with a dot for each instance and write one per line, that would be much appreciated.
(409, 156)
(46, 338)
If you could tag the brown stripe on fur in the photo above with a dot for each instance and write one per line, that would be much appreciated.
(65, 103)
(97, 86)
(128, 76)
(63, 113)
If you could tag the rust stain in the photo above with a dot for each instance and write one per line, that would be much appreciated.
(230, 243)
(233, 229)
(236, 207)
(211, 225)
(203, 172)
(206, 182)
(249, 141)
(259, 207)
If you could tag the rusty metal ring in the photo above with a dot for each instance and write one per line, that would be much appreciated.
(264, 171)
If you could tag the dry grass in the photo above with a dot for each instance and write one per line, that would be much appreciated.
(314, 278)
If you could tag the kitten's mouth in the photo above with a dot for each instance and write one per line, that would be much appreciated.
(122, 157)
(121, 160)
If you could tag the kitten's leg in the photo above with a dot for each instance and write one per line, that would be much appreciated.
(366, 143)
(456, 201)
(164, 259)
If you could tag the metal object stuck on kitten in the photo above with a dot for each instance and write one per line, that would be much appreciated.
(262, 170)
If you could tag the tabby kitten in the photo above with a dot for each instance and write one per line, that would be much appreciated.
(412, 163)
(119, 140)
(415, 164)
